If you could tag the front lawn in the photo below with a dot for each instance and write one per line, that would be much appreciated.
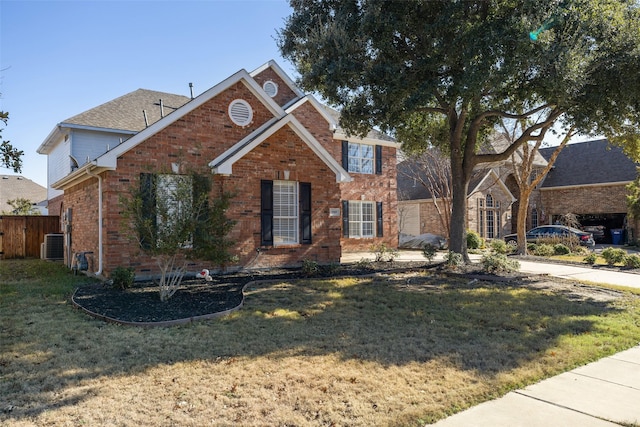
(399, 349)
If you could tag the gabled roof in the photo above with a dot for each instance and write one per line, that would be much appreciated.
(18, 187)
(374, 136)
(223, 164)
(125, 114)
(589, 163)
(411, 176)
(280, 72)
(108, 161)
(498, 143)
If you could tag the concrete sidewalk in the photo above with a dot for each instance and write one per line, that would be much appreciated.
(600, 394)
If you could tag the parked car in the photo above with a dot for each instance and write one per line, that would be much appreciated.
(550, 231)
(597, 231)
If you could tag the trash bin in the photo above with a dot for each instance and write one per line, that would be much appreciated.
(616, 236)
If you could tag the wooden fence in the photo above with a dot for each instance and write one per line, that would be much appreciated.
(21, 236)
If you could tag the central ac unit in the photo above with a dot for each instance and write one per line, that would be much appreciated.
(53, 247)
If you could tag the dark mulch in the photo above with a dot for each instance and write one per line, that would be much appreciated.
(196, 297)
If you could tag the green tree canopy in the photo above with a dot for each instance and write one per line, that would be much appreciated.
(445, 72)
(10, 157)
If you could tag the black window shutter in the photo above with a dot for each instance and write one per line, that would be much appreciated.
(305, 213)
(379, 218)
(345, 218)
(200, 198)
(345, 155)
(148, 192)
(266, 212)
(378, 159)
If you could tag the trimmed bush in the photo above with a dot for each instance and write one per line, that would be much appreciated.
(499, 263)
(591, 258)
(632, 261)
(474, 241)
(122, 277)
(561, 249)
(531, 247)
(310, 268)
(384, 253)
(499, 246)
(544, 249)
(613, 256)
(429, 251)
(453, 259)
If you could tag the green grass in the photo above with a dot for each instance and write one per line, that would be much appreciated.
(389, 350)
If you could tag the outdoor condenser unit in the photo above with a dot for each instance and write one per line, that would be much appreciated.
(52, 247)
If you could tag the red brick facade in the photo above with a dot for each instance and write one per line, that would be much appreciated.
(202, 135)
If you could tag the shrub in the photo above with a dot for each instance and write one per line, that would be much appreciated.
(453, 259)
(496, 263)
(429, 251)
(474, 241)
(613, 255)
(591, 258)
(310, 268)
(544, 249)
(561, 249)
(531, 247)
(364, 264)
(499, 246)
(384, 252)
(122, 277)
(632, 261)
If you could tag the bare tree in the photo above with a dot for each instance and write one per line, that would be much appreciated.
(522, 163)
(432, 170)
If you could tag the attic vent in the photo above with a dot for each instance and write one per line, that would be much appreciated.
(240, 112)
(271, 88)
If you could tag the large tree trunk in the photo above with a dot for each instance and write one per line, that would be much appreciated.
(523, 207)
(460, 185)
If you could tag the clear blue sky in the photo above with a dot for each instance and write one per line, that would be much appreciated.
(60, 58)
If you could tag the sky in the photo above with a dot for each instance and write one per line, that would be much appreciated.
(61, 58)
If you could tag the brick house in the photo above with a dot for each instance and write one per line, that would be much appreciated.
(276, 148)
(588, 180)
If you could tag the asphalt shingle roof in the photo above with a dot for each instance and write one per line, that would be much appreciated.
(126, 112)
(585, 163)
(18, 187)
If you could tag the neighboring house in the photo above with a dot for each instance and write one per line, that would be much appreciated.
(588, 180)
(18, 187)
(304, 190)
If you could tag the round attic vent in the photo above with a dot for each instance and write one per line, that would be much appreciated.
(271, 88)
(240, 112)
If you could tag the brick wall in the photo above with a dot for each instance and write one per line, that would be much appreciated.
(193, 141)
(584, 200)
(284, 95)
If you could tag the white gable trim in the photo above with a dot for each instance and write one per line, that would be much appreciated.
(280, 72)
(497, 180)
(223, 164)
(109, 159)
(314, 102)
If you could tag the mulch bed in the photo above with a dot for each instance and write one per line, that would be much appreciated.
(198, 299)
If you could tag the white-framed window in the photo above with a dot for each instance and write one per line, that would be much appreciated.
(362, 218)
(361, 158)
(489, 217)
(167, 203)
(240, 112)
(534, 218)
(285, 212)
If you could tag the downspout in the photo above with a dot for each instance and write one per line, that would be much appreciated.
(99, 272)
